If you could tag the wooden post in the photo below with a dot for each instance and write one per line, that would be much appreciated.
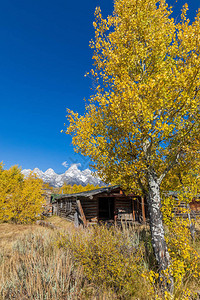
(76, 219)
(143, 210)
(81, 212)
(133, 206)
(138, 209)
(115, 212)
(57, 208)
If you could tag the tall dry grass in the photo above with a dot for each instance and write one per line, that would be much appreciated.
(46, 264)
(95, 263)
(36, 269)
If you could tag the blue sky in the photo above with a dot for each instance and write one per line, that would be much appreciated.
(44, 55)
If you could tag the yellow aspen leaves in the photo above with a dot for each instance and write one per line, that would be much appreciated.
(146, 67)
(143, 122)
(21, 199)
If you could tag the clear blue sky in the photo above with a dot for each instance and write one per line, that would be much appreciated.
(44, 55)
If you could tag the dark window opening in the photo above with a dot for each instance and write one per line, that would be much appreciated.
(106, 208)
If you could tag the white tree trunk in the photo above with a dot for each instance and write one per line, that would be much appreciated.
(191, 224)
(157, 230)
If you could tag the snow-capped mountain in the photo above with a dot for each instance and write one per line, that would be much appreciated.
(72, 176)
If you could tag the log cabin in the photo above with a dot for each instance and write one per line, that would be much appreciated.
(108, 204)
(181, 209)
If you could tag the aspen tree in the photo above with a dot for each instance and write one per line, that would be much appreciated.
(21, 199)
(143, 118)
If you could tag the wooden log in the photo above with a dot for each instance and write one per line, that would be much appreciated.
(81, 212)
(143, 210)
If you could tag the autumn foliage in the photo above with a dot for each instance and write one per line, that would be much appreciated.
(20, 199)
(142, 122)
(71, 189)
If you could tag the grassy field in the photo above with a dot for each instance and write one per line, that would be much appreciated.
(9, 233)
(40, 263)
(32, 266)
(66, 263)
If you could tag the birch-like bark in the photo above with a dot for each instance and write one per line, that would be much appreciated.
(157, 231)
(156, 220)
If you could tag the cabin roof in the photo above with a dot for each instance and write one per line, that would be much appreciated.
(55, 197)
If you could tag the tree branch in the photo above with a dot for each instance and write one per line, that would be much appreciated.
(169, 167)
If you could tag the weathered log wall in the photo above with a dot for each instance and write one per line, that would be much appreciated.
(195, 208)
(66, 208)
(181, 209)
(124, 208)
(90, 208)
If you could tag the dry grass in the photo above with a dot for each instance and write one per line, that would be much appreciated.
(61, 223)
(37, 269)
(33, 266)
(10, 232)
(45, 264)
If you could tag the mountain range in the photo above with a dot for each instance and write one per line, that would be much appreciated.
(72, 176)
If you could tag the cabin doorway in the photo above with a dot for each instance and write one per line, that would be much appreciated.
(106, 208)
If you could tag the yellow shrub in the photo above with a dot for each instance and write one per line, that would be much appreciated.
(110, 260)
(185, 261)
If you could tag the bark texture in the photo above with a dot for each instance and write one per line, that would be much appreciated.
(157, 231)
